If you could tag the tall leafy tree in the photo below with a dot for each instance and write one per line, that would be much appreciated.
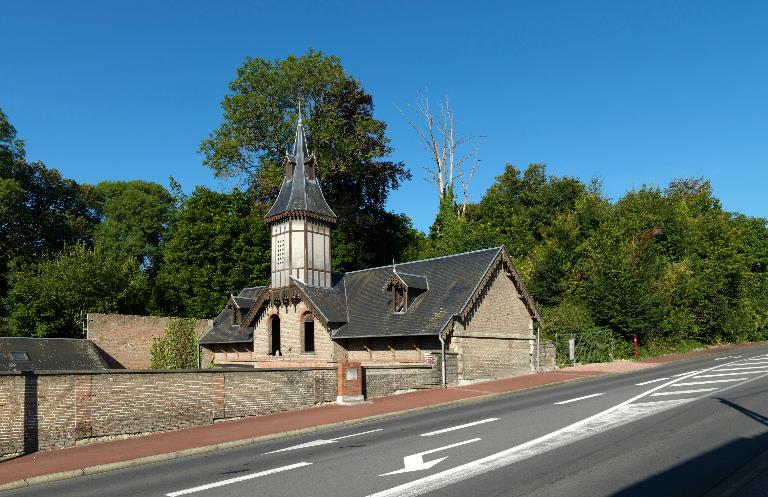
(218, 245)
(40, 211)
(351, 146)
(134, 220)
(48, 297)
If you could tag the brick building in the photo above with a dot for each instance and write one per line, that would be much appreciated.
(471, 311)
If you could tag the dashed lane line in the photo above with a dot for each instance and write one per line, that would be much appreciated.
(459, 427)
(578, 398)
(619, 414)
(650, 381)
(238, 479)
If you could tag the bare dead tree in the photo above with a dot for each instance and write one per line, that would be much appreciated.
(446, 148)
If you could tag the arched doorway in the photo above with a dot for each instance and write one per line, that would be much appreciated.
(274, 337)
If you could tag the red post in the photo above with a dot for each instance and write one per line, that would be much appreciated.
(635, 343)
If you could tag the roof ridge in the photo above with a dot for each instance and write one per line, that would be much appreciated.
(497, 248)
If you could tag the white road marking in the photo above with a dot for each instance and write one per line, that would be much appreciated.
(679, 392)
(762, 368)
(578, 398)
(415, 462)
(614, 416)
(752, 363)
(650, 381)
(690, 383)
(238, 479)
(689, 372)
(315, 443)
(727, 357)
(459, 427)
(742, 373)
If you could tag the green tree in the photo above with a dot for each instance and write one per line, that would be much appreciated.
(11, 147)
(177, 348)
(47, 298)
(40, 211)
(218, 244)
(134, 220)
(350, 144)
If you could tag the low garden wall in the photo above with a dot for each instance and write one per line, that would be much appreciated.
(48, 410)
(56, 409)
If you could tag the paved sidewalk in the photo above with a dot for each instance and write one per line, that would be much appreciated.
(53, 465)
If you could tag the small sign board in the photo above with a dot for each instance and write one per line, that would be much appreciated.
(352, 374)
(572, 349)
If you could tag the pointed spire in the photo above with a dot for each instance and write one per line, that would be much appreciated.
(300, 191)
(300, 143)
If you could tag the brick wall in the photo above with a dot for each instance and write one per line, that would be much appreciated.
(53, 410)
(124, 339)
(291, 336)
(371, 351)
(495, 339)
(12, 419)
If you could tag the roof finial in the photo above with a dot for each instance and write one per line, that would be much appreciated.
(300, 111)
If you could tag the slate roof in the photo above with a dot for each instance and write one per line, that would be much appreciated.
(412, 280)
(50, 354)
(223, 329)
(452, 281)
(300, 193)
(357, 307)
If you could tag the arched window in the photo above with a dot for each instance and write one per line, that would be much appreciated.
(308, 334)
(274, 335)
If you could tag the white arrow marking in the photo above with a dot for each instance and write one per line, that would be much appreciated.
(453, 428)
(238, 479)
(614, 416)
(416, 463)
(315, 443)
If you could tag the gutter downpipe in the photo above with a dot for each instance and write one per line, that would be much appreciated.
(442, 351)
(538, 346)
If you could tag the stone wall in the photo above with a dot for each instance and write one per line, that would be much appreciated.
(124, 340)
(496, 338)
(291, 336)
(60, 409)
(370, 351)
(380, 380)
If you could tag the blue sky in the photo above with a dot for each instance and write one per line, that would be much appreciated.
(630, 92)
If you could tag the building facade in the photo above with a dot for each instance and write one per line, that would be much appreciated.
(471, 309)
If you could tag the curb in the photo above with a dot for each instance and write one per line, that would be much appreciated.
(167, 456)
(205, 449)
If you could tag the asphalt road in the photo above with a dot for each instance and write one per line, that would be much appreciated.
(690, 428)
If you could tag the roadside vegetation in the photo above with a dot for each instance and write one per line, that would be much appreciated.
(665, 262)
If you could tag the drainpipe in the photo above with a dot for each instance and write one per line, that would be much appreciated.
(442, 351)
(538, 346)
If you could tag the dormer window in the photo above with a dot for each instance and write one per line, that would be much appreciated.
(399, 298)
(404, 288)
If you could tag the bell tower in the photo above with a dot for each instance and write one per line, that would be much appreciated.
(301, 221)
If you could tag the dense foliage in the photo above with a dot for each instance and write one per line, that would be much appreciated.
(350, 144)
(177, 348)
(669, 265)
